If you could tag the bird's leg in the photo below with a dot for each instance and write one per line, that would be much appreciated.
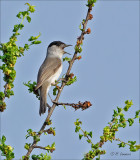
(48, 105)
(51, 99)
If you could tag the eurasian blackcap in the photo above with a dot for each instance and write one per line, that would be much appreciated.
(50, 71)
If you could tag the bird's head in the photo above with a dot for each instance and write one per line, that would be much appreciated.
(57, 48)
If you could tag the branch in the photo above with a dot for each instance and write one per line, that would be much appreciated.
(79, 42)
(82, 105)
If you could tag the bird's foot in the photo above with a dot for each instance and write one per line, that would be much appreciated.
(50, 97)
(53, 101)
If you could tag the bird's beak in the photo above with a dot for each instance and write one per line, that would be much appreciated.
(67, 45)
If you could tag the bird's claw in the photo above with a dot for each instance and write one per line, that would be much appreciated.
(53, 101)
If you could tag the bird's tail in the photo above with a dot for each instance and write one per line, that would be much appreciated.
(43, 98)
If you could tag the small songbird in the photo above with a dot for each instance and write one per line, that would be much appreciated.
(50, 71)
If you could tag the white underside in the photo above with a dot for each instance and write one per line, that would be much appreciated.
(53, 78)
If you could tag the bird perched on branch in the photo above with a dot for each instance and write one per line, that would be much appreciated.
(50, 71)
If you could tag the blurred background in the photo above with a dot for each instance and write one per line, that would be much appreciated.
(107, 74)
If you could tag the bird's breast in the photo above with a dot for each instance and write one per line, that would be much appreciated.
(54, 77)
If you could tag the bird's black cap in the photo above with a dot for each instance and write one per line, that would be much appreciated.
(57, 43)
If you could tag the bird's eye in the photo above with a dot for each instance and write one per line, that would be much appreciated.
(63, 46)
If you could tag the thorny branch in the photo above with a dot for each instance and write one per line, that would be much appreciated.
(80, 39)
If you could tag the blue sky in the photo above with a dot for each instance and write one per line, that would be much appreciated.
(107, 74)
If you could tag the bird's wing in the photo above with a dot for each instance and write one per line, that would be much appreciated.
(48, 68)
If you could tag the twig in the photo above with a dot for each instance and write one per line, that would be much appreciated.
(51, 150)
(82, 105)
(41, 147)
(62, 85)
(117, 139)
(86, 136)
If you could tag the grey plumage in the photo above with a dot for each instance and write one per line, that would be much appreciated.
(43, 98)
(46, 71)
(50, 71)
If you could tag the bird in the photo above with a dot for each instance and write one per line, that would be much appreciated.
(50, 71)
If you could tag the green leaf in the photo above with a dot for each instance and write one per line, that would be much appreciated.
(27, 146)
(131, 121)
(19, 15)
(77, 129)
(48, 147)
(80, 49)
(9, 93)
(86, 133)
(71, 81)
(66, 59)
(2, 95)
(21, 26)
(36, 138)
(133, 148)
(80, 136)
(129, 102)
(77, 123)
(25, 13)
(96, 146)
(28, 19)
(16, 28)
(3, 139)
(26, 46)
(115, 113)
(119, 109)
(54, 91)
(90, 134)
(128, 105)
(137, 114)
(53, 146)
(76, 49)
(64, 107)
(29, 131)
(122, 144)
(32, 9)
(132, 142)
(124, 124)
(32, 38)
(36, 42)
(89, 140)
